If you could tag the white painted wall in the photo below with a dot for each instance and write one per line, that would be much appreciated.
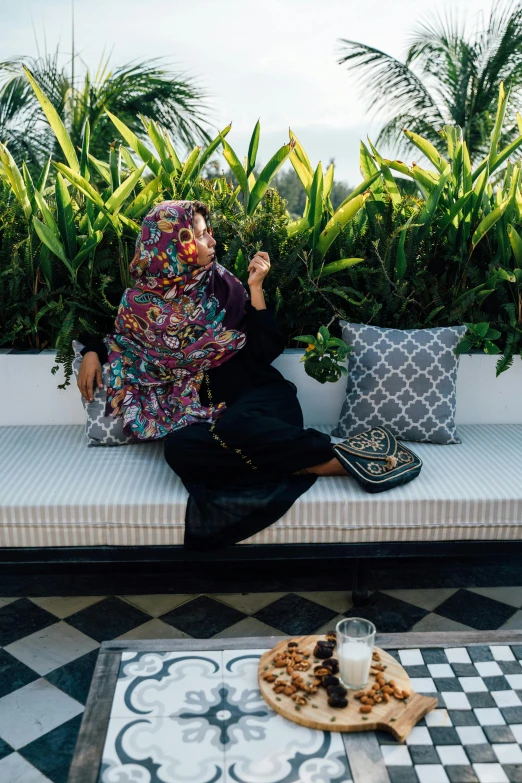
(29, 394)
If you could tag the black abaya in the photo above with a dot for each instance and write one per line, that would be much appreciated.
(239, 473)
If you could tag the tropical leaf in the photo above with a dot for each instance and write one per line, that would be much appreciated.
(266, 175)
(339, 266)
(54, 120)
(339, 220)
(65, 217)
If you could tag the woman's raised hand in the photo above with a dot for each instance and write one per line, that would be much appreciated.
(258, 269)
(90, 374)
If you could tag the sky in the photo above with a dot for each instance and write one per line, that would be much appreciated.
(273, 60)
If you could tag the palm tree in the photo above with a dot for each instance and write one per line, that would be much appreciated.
(138, 88)
(449, 77)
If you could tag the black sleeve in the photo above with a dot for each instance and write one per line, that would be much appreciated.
(99, 347)
(266, 340)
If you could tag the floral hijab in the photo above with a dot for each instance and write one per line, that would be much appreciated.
(178, 321)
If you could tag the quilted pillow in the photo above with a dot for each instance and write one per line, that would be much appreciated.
(101, 430)
(401, 379)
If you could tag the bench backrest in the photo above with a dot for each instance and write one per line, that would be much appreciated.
(29, 393)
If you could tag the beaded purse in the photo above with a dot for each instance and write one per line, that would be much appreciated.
(377, 460)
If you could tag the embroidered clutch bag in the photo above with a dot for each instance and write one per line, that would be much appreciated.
(377, 460)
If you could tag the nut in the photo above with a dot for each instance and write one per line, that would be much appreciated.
(321, 671)
(290, 689)
(332, 664)
(366, 708)
(299, 699)
(331, 636)
(359, 695)
(386, 697)
(269, 677)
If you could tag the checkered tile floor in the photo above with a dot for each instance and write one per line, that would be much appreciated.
(48, 650)
(474, 735)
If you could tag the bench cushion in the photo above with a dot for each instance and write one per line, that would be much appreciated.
(54, 491)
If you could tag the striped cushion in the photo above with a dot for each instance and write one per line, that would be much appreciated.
(56, 492)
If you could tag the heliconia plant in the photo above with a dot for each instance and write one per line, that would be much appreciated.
(439, 242)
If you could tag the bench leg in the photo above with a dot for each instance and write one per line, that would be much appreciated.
(360, 595)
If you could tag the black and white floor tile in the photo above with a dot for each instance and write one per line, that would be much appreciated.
(48, 648)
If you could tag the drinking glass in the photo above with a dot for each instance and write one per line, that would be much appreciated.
(355, 638)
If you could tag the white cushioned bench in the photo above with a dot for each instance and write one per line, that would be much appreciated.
(57, 492)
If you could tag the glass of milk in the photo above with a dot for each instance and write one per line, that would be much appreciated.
(355, 638)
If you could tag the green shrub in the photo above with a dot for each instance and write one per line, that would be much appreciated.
(434, 246)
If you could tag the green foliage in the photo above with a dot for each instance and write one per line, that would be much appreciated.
(430, 247)
(34, 100)
(451, 76)
(324, 356)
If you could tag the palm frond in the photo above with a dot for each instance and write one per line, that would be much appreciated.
(389, 86)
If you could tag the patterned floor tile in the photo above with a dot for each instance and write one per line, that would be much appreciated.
(155, 605)
(149, 684)
(294, 615)
(475, 610)
(330, 625)
(52, 754)
(63, 606)
(40, 715)
(5, 749)
(507, 595)
(514, 622)
(203, 617)
(388, 614)
(425, 599)
(15, 769)
(260, 744)
(160, 744)
(32, 711)
(52, 647)
(108, 619)
(250, 626)
(248, 602)
(339, 601)
(20, 618)
(13, 674)
(154, 629)
(74, 678)
(434, 622)
(5, 601)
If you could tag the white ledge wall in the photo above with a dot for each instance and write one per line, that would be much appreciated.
(29, 394)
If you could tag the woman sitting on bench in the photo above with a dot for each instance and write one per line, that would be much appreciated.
(190, 362)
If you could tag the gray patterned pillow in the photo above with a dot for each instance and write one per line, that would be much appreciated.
(101, 430)
(402, 379)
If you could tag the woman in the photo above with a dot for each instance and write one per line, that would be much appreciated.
(190, 361)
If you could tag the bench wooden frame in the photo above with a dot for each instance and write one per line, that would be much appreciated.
(59, 559)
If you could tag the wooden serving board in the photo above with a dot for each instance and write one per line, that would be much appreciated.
(396, 717)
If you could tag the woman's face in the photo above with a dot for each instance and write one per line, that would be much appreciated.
(205, 242)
